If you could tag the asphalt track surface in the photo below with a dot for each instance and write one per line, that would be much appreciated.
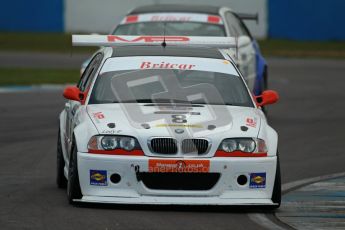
(310, 120)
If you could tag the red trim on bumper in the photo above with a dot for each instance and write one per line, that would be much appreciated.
(118, 152)
(220, 153)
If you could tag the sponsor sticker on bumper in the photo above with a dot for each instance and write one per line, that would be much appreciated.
(179, 166)
(257, 180)
(98, 177)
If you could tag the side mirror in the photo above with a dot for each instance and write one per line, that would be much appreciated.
(267, 97)
(73, 93)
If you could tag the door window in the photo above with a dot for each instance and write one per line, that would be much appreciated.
(90, 72)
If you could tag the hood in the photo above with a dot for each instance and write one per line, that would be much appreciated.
(145, 121)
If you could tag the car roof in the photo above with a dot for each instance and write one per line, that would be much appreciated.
(159, 8)
(130, 51)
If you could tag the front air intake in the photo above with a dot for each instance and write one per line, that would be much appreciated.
(199, 146)
(163, 145)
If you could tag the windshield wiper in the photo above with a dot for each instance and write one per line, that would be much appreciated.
(135, 101)
(172, 101)
(159, 100)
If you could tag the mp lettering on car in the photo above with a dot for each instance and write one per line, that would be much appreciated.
(147, 39)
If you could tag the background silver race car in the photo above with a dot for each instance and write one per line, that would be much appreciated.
(188, 20)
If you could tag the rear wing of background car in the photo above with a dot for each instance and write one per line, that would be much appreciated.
(115, 40)
(253, 17)
(172, 17)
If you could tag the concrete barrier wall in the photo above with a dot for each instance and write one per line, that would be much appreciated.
(32, 15)
(100, 16)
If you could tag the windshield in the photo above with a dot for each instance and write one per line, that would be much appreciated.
(170, 86)
(171, 29)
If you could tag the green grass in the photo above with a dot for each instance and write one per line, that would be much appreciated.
(40, 42)
(15, 76)
(302, 49)
(61, 43)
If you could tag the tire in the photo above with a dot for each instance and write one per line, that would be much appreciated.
(61, 180)
(276, 194)
(73, 185)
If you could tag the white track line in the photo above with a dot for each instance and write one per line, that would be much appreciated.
(264, 221)
(294, 184)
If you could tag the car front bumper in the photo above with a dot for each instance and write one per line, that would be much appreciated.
(131, 189)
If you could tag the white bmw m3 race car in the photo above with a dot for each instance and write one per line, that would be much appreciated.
(159, 121)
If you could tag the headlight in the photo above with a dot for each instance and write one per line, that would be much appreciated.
(229, 145)
(127, 143)
(247, 145)
(113, 142)
(109, 142)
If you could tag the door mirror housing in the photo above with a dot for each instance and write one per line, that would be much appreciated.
(267, 97)
(73, 93)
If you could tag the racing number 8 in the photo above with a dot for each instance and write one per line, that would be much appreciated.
(179, 118)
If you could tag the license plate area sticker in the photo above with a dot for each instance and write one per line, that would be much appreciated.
(179, 166)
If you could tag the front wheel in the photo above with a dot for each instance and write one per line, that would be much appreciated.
(61, 180)
(73, 185)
